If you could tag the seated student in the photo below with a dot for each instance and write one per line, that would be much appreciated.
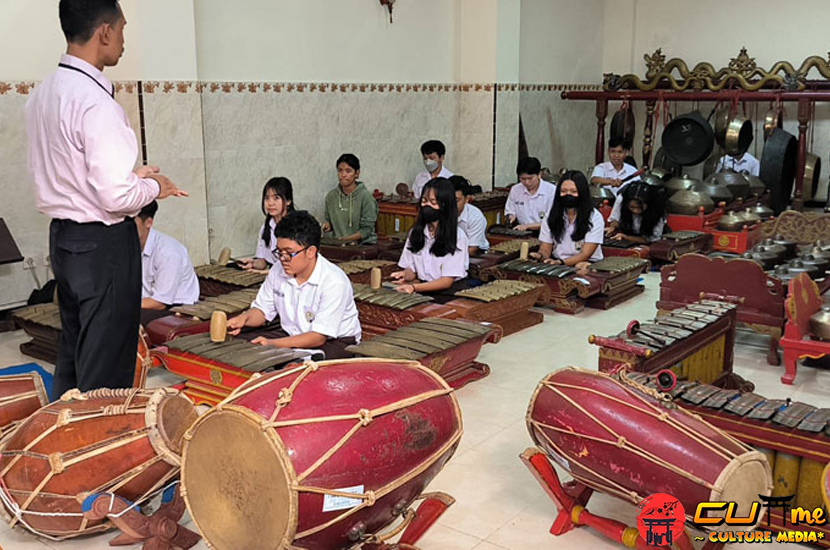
(529, 203)
(744, 164)
(167, 274)
(573, 232)
(351, 210)
(612, 173)
(436, 255)
(470, 219)
(638, 215)
(312, 296)
(277, 201)
(433, 152)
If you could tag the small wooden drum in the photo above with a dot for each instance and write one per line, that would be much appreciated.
(321, 456)
(620, 438)
(20, 396)
(127, 442)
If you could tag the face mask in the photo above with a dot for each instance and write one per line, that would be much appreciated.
(569, 201)
(430, 214)
(431, 165)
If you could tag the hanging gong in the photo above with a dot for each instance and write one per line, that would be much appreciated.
(623, 127)
(778, 166)
(688, 139)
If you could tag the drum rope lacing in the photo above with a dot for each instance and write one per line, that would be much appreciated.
(58, 464)
(364, 417)
(620, 441)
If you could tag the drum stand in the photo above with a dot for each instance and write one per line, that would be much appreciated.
(572, 497)
(160, 531)
(431, 509)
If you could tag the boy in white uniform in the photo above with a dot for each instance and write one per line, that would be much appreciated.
(312, 297)
(167, 274)
(743, 164)
(612, 173)
(529, 203)
(471, 220)
(433, 152)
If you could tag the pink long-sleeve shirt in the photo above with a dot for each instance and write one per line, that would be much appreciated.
(82, 150)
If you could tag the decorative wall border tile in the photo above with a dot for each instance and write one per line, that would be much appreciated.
(183, 87)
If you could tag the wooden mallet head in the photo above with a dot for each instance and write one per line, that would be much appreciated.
(377, 278)
(218, 326)
(524, 252)
(224, 256)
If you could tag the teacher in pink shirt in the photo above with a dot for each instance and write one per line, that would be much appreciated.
(82, 154)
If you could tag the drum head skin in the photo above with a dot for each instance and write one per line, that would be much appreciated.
(237, 481)
(746, 477)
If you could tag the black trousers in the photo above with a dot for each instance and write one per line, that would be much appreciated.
(98, 271)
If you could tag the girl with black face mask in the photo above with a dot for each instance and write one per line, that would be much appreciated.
(436, 256)
(573, 233)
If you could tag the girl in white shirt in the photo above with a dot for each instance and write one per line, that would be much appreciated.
(277, 201)
(436, 256)
(638, 215)
(573, 233)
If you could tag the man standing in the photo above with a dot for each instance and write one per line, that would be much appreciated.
(82, 152)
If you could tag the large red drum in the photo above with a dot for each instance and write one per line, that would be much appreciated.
(20, 396)
(127, 442)
(322, 457)
(622, 439)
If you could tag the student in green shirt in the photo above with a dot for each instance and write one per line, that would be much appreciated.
(351, 210)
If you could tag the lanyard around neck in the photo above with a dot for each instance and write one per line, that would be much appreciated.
(110, 93)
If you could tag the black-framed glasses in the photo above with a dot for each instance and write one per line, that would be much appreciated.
(284, 255)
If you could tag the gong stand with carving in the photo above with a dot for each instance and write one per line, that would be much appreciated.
(742, 81)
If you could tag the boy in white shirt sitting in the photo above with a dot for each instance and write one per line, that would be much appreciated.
(471, 219)
(312, 297)
(612, 174)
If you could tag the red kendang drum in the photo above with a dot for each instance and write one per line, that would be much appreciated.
(20, 396)
(126, 442)
(618, 437)
(320, 457)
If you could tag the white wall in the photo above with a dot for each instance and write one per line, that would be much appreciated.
(160, 40)
(562, 41)
(327, 41)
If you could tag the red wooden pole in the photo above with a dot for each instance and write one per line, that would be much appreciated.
(602, 113)
(803, 121)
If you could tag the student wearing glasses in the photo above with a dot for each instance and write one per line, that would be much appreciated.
(312, 297)
(436, 255)
(277, 201)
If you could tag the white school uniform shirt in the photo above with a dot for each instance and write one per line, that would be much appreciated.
(429, 268)
(530, 209)
(82, 150)
(567, 247)
(474, 225)
(423, 178)
(637, 221)
(167, 275)
(323, 304)
(747, 164)
(607, 170)
(264, 251)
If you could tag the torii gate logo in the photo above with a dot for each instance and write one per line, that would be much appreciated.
(660, 519)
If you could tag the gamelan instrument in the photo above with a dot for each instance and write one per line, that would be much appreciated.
(794, 436)
(499, 253)
(20, 396)
(695, 341)
(337, 250)
(397, 214)
(212, 370)
(502, 302)
(360, 271)
(325, 455)
(43, 323)
(621, 247)
(609, 282)
(194, 319)
(384, 309)
(127, 442)
(500, 233)
(617, 437)
(215, 280)
(449, 348)
(674, 245)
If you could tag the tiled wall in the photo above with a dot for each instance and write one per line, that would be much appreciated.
(254, 131)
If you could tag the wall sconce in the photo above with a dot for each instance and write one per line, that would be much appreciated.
(389, 4)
